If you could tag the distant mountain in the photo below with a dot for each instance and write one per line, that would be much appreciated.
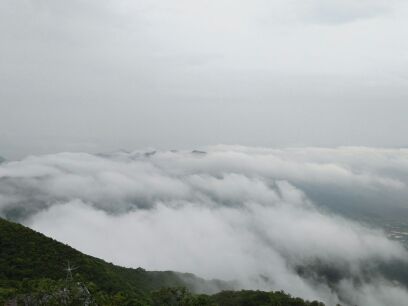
(2, 159)
(198, 152)
(34, 271)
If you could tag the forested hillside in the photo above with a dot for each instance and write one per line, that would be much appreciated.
(33, 272)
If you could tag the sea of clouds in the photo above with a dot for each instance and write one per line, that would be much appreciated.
(270, 219)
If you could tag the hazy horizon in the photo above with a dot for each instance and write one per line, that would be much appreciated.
(98, 76)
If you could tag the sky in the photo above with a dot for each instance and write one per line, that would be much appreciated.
(95, 76)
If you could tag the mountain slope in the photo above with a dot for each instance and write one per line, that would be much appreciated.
(26, 254)
(32, 267)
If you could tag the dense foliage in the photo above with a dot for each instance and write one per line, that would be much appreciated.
(32, 273)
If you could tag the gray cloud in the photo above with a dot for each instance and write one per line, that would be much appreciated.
(100, 75)
(264, 217)
(337, 11)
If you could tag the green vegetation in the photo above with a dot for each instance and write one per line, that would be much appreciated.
(32, 273)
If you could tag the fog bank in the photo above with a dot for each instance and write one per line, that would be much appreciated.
(264, 217)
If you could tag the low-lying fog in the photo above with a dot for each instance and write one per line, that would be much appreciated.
(270, 219)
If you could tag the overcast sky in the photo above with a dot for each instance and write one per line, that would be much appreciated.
(96, 75)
